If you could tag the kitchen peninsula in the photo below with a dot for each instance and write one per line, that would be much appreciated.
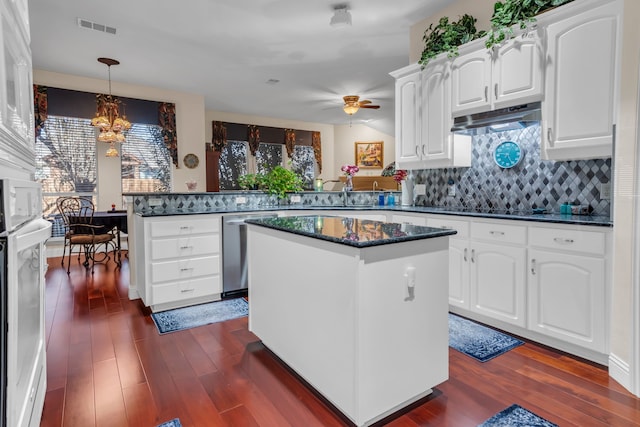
(358, 308)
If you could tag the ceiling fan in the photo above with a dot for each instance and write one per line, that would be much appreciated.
(352, 104)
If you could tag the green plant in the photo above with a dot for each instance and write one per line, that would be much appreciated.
(280, 181)
(447, 36)
(251, 181)
(508, 13)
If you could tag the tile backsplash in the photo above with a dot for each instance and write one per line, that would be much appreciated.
(534, 183)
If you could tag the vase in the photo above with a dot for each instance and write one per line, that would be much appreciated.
(407, 192)
(348, 185)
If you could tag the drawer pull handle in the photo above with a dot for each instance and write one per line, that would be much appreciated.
(186, 269)
(562, 241)
(473, 255)
(185, 227)
(186, 247)
(533, 266)
(184, 291)
(464, 256)
(486, 94)
(550, 137)
(495, 90)
(497, 233)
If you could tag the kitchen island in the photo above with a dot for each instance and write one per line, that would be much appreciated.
(357, 308)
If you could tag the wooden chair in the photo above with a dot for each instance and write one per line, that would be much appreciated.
(77, 214)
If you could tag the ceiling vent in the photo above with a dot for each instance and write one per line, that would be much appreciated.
(83, 23)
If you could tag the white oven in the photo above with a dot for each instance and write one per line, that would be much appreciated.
(22, 266)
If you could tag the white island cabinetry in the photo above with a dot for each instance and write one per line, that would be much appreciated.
(181, 260)
(370, 332)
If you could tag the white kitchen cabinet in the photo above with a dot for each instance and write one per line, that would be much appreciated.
(567, 286)
(582, 80)
(484, 80)
(423, 119)
(180, 260)
(459, 269)
(409, 219)
(408, 88)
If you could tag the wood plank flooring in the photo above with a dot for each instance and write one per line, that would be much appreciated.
(107, 366)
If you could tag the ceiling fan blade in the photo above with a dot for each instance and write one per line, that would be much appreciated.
(375, 107)
(365, 101)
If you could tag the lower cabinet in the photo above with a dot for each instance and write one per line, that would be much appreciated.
(180, 260)
(567, 292)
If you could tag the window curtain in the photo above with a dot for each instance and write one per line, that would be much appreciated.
(253, 138)
(316, 143)
(289, 141)
(167, 120)
(40, 106)
(219, 139)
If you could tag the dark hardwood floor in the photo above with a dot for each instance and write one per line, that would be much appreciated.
(107, 366)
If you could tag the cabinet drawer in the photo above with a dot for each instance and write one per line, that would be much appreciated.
(408, 219)
(165, 271)
(514, 234)
(185, 289)
(185, 246)
(184, 226)
(591, 242)
(462, 227)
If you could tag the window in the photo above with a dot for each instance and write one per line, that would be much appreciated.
(268, 156)
(66, 160)
(233, 164)
(303, 163)
(145, 161)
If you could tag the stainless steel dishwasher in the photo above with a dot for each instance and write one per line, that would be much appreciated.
(234, 253)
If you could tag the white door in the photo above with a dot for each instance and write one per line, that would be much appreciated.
(436, 113)
(408, 116)
(566, 298)
(581, 84)
(498, 282)
(470, 81)
(517, 74)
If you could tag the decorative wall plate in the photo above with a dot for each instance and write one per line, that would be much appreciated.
(191, 161)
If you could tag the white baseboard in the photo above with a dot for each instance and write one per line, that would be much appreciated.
(619, 370)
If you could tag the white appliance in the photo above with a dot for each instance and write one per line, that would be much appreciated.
(23, 234)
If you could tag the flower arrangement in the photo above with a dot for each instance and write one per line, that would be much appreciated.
(350, 170)
(399, 175)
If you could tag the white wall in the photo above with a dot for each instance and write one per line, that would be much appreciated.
(189, 120)
(346, 136)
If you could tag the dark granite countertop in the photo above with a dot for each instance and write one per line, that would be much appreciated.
(593, 220)
(360, 233)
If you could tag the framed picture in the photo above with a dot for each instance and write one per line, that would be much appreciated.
(370, 155)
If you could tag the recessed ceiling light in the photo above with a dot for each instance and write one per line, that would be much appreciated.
(341, 16)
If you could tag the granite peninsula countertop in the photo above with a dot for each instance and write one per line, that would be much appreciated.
(359, 233)
(591, 220)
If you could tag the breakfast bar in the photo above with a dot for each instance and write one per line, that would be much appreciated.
(356, 307)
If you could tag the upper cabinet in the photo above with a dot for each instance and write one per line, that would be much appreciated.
(582, 80)
(423, 119)
(484, 80)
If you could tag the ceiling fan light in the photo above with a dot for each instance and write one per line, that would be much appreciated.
(350, 109)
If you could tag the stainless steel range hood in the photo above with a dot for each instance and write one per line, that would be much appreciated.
(521, 114)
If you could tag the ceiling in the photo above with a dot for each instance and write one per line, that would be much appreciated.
(228, 50)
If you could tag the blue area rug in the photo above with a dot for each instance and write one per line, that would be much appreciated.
(478, 341)
(198, 315)
(173, 423)
(516, 416)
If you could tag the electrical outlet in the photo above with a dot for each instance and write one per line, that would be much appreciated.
(155, 201)
(241, 200)
(420, 190)
(452, 190)
(296, 198)
(605, 191)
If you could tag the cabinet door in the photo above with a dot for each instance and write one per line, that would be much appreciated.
(470, 81)
(567, 298)
(459, 273)
(436, 114)
(408, 100)
(517, 74)
(498, 282)
(581, 84)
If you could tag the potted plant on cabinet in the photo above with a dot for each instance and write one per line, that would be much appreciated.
(447, 36)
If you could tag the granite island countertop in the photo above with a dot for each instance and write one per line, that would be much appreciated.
(359, 233)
